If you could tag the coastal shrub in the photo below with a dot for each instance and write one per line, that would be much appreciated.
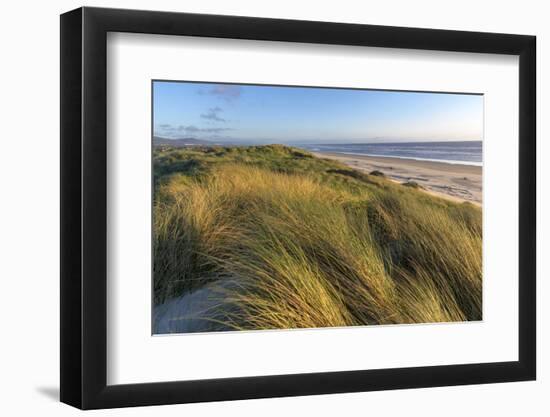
(377, 173)
(412, 184)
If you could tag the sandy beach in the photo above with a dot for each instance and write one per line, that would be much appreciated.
(452, 181)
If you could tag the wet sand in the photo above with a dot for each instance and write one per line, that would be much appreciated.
(452, 181)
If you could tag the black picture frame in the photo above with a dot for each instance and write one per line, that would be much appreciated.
(84, 207)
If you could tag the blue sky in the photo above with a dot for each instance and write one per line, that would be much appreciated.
(266, 114)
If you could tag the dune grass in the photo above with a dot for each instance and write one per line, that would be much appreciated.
(295, 241)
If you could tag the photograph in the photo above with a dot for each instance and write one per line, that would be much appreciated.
(302, 207)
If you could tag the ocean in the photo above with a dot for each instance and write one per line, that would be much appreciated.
(465, 152)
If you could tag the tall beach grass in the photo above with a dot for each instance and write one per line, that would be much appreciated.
(293, 241)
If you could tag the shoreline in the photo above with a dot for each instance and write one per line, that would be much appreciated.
(455, 182)
(440, 161)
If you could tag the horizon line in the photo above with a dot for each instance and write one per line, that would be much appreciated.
(309, 141)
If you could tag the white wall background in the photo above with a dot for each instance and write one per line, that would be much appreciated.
(29, 210)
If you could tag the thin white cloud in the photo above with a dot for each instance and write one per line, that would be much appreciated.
(171, 131)
(213, 114)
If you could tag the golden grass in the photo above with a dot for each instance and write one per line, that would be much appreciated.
(291, 251)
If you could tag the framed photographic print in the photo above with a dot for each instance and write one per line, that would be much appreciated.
(258, 207)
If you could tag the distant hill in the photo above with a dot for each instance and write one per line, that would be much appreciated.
(178, 143)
